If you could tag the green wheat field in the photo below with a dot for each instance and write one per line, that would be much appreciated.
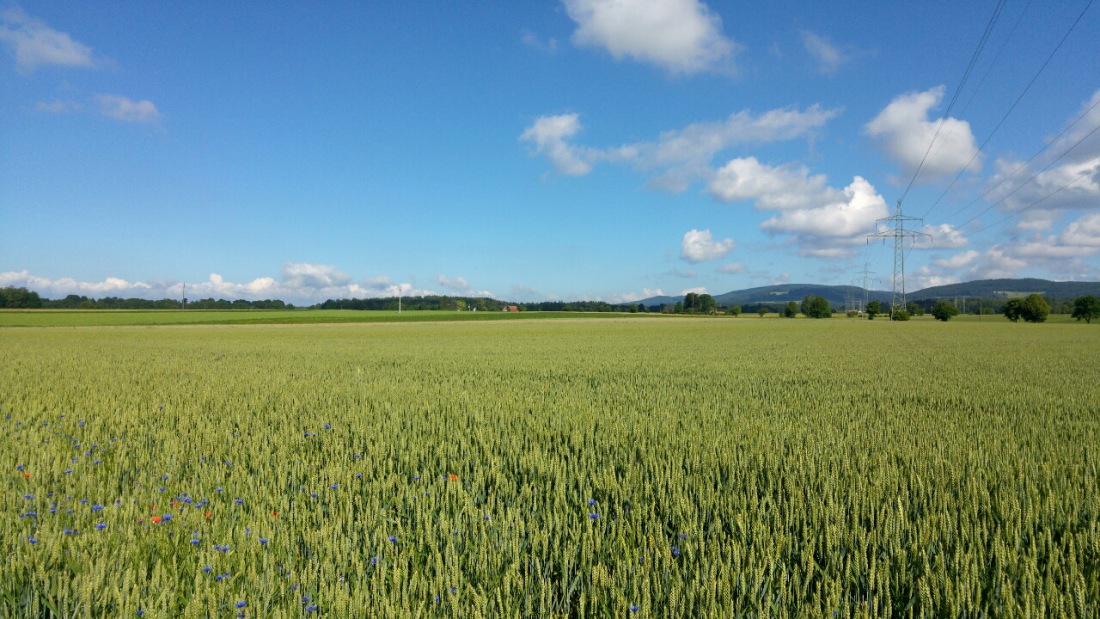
(647, 467)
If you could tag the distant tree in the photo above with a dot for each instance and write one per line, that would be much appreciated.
(762, 311)
(1014, 309)
(705, 304)
(914, 308)
(790, 310)
(19, 297)
(678, 308)
(1086, 308)
(816, 307)
(900, 314)
(1035, 309)
(874, 308)
(735, 310)
(944, 311)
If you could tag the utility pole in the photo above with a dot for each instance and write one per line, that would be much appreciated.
(898, 232)
(183, 297)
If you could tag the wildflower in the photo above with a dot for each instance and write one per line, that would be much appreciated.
(357, 456)
(28, 515)
(633, 608)
(313, 495)
(156, 519)
(29, 497)
(333, 486)
(207, 569)
(207, 515)
(452, 477)
(263, 541)
(312, 608)
(593, 516)
(101, 526)
(242, 604)
(248, 531)
(358, 476)
(274, 514)
(68, 471)
(454, 589)
(195, 541)
(675, 551)
(306, 599)
(240, 501)
(97, 508)
(393, 540)
(486, 516)
(328, 426)
(26, 475)
(683, 536)
(33, 540)
(167, 517)
(591, 501)
(416, 478)
(140, 613)
(69, 531)
(374, 560)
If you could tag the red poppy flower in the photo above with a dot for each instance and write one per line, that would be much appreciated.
(26, 475)
(156, 519)
(452, 477)
(207, 514)
(274, 514)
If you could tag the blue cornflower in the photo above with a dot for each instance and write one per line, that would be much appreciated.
(633, 608)
(101, 526)
(219, 489)
(683, 536)
(312, 608)
(263, 541)
(69, 531)
(594, 516)
(374, 560)
(242, 604)
(167, 517)
(454, 589)
(333, 486)
(328, 426)
(18, 467)
(68, 471)
(140, 613)
(29, 497)
(416, 478)
(195, 541)
(675, 551)
(591, 501)
(248, 531)
(33, 540)
(28, 515)
(207, 569)
(393, 539)
(357, 456)
(160, 489)
(240, 501)
(486, 516)
(240, 615)
(358, 476)
(313, 495)
(219, 577)
(83, 501)
(97, 508)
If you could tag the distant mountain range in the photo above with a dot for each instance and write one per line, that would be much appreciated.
(838, 296)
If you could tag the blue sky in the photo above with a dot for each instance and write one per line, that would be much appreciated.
(581, 149)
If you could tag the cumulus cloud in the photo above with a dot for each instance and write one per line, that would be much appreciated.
(827, 56)
(300, 283)
(35, 44)
(696, 290)
(453, 283)
(904, 131)
(128, 110)
(680, 36)
(678, 157)
(698, 246)
(824, 221)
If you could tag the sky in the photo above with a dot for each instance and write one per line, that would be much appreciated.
(546, 150)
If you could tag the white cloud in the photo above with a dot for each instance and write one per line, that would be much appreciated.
(824, 221)
(944, 236)
(696, 290)
(926, 277)
(301, 283)
(781, 279)
(35, 44)
(306, 275)
(680, 156)
(549, 134)
(1085, 232)
(453, 283)
(698, 246)
(996, 264)
(733, 268)
(904, 131)
(128, 110)
(827, 56)
(959, 260)
(681, 36)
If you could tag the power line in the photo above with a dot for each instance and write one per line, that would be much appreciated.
(962, 82)
(1010, 109)
(899, 234)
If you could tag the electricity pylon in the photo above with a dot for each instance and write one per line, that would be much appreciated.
(866, 273)
(899, 234)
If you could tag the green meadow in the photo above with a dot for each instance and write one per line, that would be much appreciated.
(659, 467)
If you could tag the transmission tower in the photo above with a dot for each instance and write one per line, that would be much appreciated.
(899, 234)
(866, 279)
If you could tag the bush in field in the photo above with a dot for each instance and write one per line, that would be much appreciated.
(945, 311)
(790, 310)
(816, 307)
(900, 314)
